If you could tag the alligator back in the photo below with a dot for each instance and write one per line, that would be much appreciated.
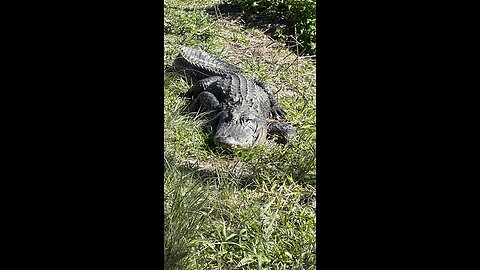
(236, 91)
(199, 64)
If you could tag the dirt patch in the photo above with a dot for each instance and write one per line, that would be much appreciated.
(253, 20)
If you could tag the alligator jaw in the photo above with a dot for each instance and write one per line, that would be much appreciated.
(237, 140)
(231, 142)
(225, 142)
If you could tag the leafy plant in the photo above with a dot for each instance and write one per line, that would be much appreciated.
(190, 25)
(299, 15)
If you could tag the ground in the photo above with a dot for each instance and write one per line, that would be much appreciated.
(248, 208)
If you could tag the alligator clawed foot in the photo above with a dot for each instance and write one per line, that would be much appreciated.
(278, 112)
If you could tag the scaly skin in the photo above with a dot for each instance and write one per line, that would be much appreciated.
(242, 106)
(200, 65)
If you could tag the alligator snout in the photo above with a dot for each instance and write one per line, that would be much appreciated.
(227, 142)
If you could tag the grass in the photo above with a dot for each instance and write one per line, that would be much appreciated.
(246, 208)
(181, 214)
(299, 17)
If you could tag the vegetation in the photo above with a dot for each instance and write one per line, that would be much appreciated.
(245, 208)
(297, 14)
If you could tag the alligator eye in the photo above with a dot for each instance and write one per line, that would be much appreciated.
(229, 116)
(247, 118)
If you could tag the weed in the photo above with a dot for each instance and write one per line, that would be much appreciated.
(299, 15)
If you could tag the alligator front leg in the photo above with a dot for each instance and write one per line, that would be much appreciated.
(205, 102)
(285, 130)
(201, 86)
(276, 111)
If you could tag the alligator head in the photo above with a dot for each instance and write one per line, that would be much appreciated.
(238, 128)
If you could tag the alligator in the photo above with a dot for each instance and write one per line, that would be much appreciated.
(244, 110)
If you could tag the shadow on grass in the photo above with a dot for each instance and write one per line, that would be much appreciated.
(252, 20)
(212, 174)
